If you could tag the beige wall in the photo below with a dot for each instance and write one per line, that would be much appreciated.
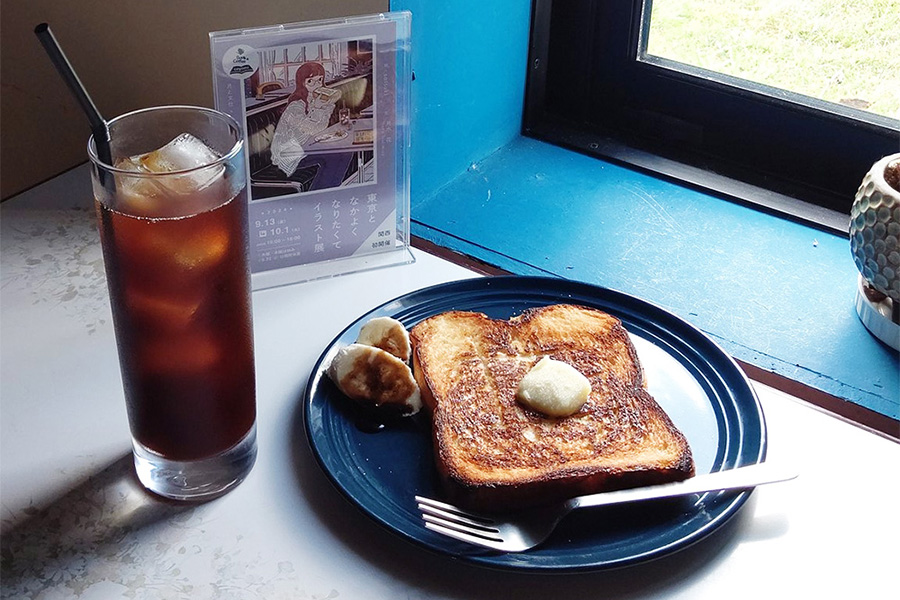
(129, 54)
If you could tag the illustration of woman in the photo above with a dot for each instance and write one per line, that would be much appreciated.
(307, 114)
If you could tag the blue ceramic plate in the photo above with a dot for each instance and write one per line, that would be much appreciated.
(699, 386)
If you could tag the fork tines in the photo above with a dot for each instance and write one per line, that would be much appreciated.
(452, 522)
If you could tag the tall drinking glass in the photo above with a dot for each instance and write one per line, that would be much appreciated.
(173, 226)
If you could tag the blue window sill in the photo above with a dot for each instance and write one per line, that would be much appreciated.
(775, 294)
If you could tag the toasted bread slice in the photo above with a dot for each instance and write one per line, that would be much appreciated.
(494, 453)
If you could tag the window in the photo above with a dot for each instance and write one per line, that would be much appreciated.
(594, 86)
(839, 51)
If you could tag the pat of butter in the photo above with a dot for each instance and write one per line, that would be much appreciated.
(554, 388)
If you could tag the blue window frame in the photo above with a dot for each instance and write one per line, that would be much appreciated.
(592, 87)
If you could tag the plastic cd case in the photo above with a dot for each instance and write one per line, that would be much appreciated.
(325, 111)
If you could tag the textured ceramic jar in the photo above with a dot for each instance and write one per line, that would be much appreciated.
(875, 230)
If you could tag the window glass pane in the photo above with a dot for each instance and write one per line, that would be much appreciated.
(841, 51)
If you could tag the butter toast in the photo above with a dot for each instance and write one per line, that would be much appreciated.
(493, 453)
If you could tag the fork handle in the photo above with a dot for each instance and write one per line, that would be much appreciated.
(730, 479)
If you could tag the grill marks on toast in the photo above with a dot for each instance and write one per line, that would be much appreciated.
(468, 367)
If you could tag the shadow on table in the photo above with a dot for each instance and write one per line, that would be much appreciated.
(444, 576)
(44, 544)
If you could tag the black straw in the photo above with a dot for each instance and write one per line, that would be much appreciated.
(99, 128)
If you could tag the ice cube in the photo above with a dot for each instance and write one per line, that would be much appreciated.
(204, 248)
(167, 311)
(193, 352)
(184, 152)
(132, 163)
(142, 195)
(135, 195)
(175, 249)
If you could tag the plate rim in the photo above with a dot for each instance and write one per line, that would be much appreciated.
(733, 501)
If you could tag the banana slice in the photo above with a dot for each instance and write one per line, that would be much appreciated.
(375, 377)
(388, 334)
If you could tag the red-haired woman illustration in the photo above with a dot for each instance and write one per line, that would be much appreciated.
(307, 114)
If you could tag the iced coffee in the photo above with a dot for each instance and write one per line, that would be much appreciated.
(173, 226)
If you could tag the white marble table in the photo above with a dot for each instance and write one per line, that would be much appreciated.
(75, 524)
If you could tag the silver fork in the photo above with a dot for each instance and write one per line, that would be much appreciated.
(526, 529)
